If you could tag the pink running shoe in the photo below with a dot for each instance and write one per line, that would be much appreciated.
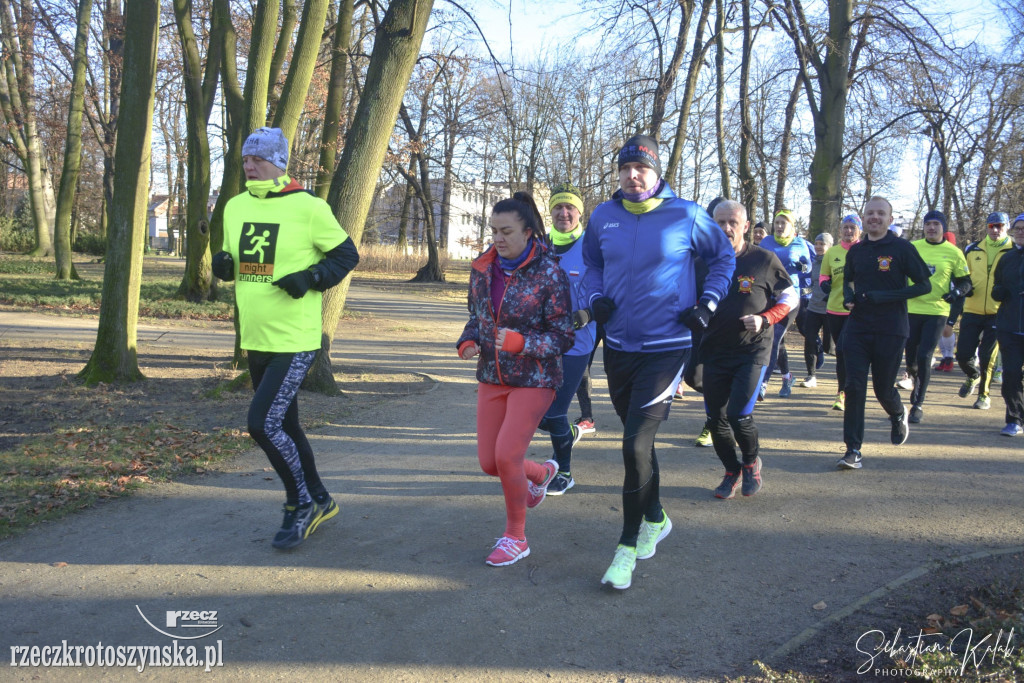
(535, 492)
(507, 551)
(585, 425)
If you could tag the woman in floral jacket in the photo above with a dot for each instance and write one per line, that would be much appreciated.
(520, 324)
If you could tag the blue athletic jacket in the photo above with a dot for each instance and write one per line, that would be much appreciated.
(645, 264)
(790, 257)
(571, 261)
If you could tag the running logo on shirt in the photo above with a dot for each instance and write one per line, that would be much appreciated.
(746, 284)
(256, 248)
(884, 263)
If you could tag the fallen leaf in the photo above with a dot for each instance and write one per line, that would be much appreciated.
(820, 605)
(58, 564)
(959, 610)
(934, 617)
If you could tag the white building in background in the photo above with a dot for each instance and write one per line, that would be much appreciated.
(159, 212)
(467, 228)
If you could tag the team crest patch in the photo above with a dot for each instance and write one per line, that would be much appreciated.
(884, 263)
(746, 284)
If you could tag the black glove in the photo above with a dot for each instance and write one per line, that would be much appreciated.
(826, 287)
(580, 319)
(999, 293)
(224, 266)
(296, 284)
(696, 318)
(602, 307)
(954, 294)
(864, 298)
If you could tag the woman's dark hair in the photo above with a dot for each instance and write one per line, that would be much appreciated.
(522, 204)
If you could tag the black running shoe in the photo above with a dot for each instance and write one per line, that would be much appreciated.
(727, 489)
(915, 415)
(850, 461)
(900, 428)
(562, 482)
(752, 477)
(295, 527)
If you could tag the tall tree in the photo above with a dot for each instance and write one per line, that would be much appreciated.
(200, 83)
(300, 70)
(336, 92)
(18, 104)
(748, 181)
(72, 146)
(114, 358)
(395, 49)
(697, 55)
(828, 64)
(723, 160)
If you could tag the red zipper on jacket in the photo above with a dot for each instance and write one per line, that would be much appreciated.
(508, 282)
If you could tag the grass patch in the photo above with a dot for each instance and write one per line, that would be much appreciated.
(29, 283)
(49, 478)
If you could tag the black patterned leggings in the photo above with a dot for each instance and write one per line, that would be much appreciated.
(274, 421)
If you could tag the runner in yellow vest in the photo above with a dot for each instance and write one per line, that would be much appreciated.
(978, 324)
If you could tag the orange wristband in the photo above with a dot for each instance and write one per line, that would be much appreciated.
(463, 345)
(514, 342)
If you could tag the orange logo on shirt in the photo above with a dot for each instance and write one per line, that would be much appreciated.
(746, 284)
(884, 262)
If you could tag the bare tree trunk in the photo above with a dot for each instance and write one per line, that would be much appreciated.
(667, 78)
(787, 137)
(72, 147)
(17, 102)
(113, 72)
(395, 50)
(723, 160)
(700, 49)
(748, 182)
(300, 68)
(336, 91)
(114, 357)
(289, 16)
(199, 91)
(828, 105)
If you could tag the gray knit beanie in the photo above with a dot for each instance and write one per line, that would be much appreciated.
(269, 144)
(826, 238)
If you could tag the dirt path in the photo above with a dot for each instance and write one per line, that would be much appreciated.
(395, 587)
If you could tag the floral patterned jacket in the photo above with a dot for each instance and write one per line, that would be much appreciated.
(536, 304)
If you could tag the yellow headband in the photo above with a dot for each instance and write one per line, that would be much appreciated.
(787, 214)
(565, 198)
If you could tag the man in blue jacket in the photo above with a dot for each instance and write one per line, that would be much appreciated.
(797, 257)
(639, 249)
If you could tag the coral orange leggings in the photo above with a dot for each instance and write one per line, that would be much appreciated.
(506, 419)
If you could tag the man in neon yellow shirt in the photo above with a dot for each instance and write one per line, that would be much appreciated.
(283, 247)
(978, 323)
(928, 314)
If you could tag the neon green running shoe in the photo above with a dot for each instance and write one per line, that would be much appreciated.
(620, 573)
(650, 534)
(704, 439)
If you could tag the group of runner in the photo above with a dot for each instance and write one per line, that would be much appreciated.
(669, 287)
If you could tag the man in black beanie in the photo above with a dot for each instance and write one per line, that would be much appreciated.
(640, 249)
